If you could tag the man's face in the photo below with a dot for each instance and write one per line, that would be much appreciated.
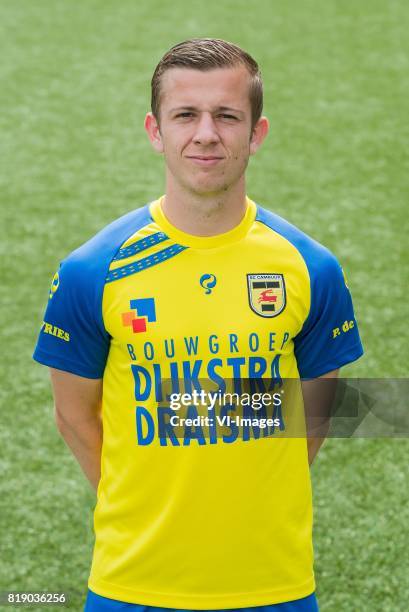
(205, 128)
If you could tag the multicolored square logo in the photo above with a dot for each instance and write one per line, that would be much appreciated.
(142, 312)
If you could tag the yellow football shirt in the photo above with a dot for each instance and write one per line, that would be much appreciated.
(192, 513)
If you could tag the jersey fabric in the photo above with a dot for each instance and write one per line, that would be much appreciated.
(97, 603)
(192, 518)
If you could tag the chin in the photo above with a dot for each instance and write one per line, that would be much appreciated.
(209, 192)
(208, 188)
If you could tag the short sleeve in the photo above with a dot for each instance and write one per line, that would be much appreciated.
(329, 337)
(72, 336)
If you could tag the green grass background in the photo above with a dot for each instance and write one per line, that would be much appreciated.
(74, 91)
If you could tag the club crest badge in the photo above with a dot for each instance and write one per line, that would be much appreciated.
(266, 294)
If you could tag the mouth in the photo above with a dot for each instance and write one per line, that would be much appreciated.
(204, 160)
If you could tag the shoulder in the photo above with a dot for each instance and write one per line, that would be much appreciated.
(319, 260)
(82, 274)
(89, 262)
(78, 285)
(96, 254)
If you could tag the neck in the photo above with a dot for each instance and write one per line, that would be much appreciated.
(204, 214)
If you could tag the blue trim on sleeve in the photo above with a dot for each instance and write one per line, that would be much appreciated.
(316, 349)
(76, 306)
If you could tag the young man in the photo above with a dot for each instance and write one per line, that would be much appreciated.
(201, 284)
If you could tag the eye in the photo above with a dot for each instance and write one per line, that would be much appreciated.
(227, 116)
(184, 115)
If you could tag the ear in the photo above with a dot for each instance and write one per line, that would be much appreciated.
(260, 131)
(153, 131)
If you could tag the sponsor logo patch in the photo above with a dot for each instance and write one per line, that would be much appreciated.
(55, 283)
(142, 312)
(208, 282)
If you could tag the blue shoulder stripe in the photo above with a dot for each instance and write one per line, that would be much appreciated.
(146, 262)
(141, 245)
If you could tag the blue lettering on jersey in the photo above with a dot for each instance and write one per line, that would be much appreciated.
(143, 417)
(191, 345)
(193, 432)
(147, 382)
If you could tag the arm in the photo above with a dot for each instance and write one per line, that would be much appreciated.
(77, 403)
(318, 399)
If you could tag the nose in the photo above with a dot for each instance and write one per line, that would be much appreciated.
(206, 131)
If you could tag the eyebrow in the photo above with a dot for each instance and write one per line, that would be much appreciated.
(219, 108)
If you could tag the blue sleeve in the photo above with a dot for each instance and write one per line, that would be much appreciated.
(72, 336)
(329, 337)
